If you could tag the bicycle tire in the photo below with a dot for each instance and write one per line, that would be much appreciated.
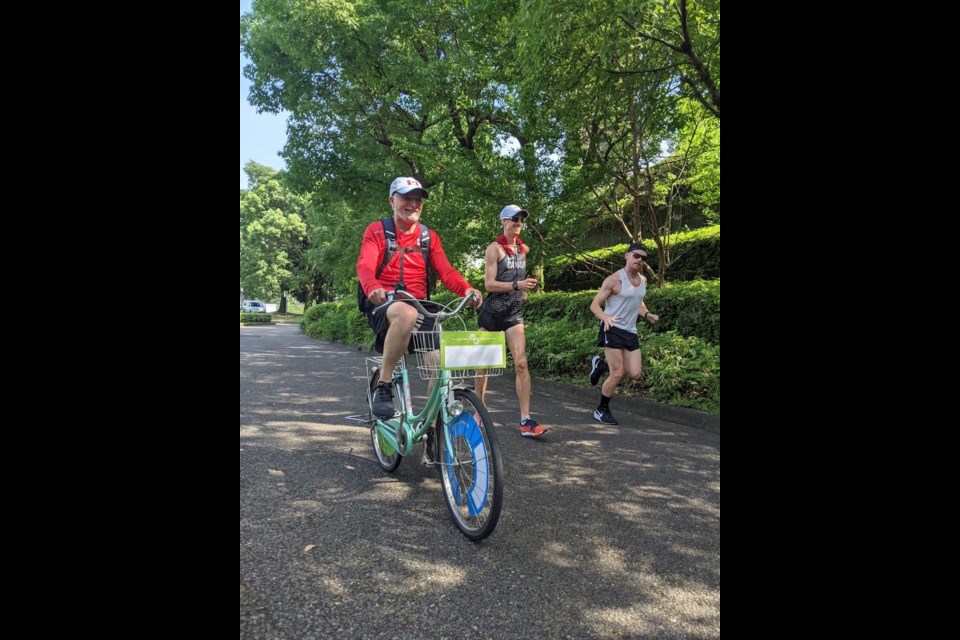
(387, 457)
(471, 469)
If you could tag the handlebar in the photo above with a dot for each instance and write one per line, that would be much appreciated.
(439, 315)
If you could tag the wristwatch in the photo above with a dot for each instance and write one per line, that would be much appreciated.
(515, 286)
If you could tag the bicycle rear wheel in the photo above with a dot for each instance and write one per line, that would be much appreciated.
(387, 457)
(471, 469)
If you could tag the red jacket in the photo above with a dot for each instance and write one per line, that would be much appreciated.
(374, 246)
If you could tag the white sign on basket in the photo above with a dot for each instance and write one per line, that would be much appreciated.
(473, 350)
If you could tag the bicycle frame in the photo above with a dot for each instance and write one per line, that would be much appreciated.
(402, 432)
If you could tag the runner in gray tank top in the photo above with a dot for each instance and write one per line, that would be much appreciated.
(627, 303)
(623, 293)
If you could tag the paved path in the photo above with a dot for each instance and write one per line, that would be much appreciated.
(606, 532)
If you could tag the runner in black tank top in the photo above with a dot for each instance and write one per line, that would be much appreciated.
(505, 277)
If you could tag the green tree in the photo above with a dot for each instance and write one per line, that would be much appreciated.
(689, 31)
(679, 37)
(257, 174)
(435, 98)
(335, 230)
(570, 109)
(272, 237)
(629, 137)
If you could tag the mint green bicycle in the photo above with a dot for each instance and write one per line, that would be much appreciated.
(454, 425)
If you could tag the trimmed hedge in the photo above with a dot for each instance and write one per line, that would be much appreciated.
(254, 317)
(681, 353)
(689, 308)
(696, 255)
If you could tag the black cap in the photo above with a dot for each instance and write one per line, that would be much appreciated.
(636, 246)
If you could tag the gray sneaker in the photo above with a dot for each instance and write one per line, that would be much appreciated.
(383, 401)
(428, 449)
(604, 416)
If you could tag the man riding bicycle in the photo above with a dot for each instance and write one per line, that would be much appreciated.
(395, 321)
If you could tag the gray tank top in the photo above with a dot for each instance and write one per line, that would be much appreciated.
(626, 304)
(510, 268)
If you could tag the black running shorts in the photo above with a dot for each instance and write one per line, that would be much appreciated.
(617, 339)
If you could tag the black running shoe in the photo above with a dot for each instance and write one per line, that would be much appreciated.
(598, 367)
(604, 416)
(383, 401)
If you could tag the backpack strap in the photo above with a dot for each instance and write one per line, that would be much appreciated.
(425, 248)
(390, 235)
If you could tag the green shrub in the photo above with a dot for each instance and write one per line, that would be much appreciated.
(680, 365)
(247, 317)
(689, 308)
(340, 321)
(681, 371)
(676, 370)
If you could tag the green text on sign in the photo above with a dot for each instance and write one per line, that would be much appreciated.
(473, 350)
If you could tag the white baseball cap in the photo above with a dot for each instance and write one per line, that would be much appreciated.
(512, 210)
(403, 186)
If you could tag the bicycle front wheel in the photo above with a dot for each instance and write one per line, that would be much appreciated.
(387, 457)
(471, 469)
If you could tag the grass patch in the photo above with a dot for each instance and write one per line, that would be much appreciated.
(284, 318)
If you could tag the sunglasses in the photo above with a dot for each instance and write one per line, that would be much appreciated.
(517, 218)
(637, 256)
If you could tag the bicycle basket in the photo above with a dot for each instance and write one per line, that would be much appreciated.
(465, 354)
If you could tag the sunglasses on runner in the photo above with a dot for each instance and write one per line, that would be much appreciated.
(517, 218)
(637, 256)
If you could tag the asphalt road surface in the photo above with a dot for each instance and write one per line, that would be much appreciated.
(606, 531)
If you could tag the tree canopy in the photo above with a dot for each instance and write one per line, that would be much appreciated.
(585, 113)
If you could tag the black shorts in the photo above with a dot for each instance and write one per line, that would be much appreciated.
(377, 319)
(493, 321)
(617, 339)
